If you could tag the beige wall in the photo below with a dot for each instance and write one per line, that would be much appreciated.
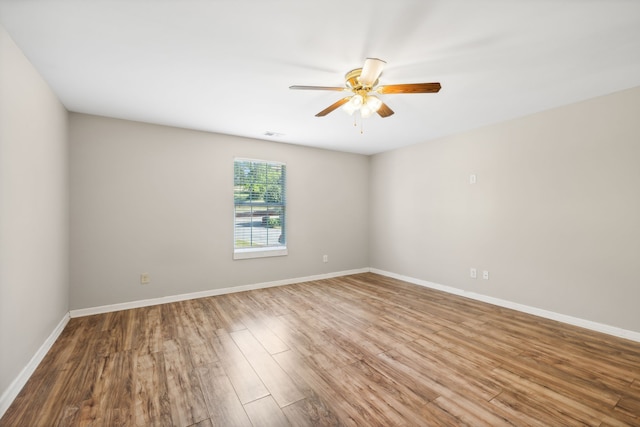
(159, 200)
(33, 212)
(554, 216)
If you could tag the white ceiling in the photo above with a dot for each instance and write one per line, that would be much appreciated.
(225, 66)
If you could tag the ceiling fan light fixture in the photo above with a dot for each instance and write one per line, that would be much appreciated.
(349, 108)
(366, 111)
(353, 105)
(366, 104)
(356, 101)
(373, 102)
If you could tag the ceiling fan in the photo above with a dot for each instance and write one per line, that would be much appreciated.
(363, 85)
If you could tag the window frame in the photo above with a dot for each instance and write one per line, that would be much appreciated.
(267, 251)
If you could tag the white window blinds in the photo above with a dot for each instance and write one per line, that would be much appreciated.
(259, 192)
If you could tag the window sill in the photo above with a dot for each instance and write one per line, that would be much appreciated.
(260, 252)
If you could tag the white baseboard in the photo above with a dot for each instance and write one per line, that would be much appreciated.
(14, 388)
(212, 292)
(587, 324)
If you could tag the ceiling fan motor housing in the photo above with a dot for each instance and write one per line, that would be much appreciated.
(352, 79)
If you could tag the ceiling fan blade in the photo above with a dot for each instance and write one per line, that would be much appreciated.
(333, 106)
(371, 71)
(410, 88)
(318, 88)
(384, 110)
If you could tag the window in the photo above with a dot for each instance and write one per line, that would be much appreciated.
(259, 204)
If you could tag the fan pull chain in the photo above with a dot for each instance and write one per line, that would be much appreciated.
(355, 123)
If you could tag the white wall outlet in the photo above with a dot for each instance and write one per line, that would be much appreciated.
(473, 273)
(325, 258)
(472, 179)
(144, 278)
(485, 275)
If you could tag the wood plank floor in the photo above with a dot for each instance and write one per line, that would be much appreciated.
(360, 350)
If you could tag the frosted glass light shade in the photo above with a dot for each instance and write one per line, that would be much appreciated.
(373, 103)
(353, 105)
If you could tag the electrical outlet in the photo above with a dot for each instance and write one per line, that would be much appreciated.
(325, 258)
(485, 275)
(144, 279)
(473, 273)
